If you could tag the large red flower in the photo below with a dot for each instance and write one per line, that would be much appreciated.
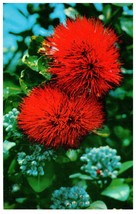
(85, 57)
(49, 117)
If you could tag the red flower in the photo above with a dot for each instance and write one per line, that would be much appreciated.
(85, 57)
(49, 117)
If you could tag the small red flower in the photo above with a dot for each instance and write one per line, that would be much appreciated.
(85, 57)
(49, 117)
(98, 171)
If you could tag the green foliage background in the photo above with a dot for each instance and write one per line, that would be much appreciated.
(22, 75)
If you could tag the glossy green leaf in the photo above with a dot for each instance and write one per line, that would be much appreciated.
(122, 5)
(43, 67)
(43, 63)
(35, 44)
(12, 166)
(7, 145)
(104, 132)
(127, 25)
(126, 71)
(125, 166)
(80, 176)
(40, 183)
(10, 89)
(21, 200)
(98, 205)
(107, 11)
(71, 12)
(72, 154)
(31, 62)
(23, 85)
(117, 190)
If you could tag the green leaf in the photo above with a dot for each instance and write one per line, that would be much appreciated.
(98, 205)
(21, 200)
(107, 11)
(117, 190)
(122, 133)
(72, 154)
(43, 67)
(23, 85)
(35, 44)
(40, 183)
(80, 176)
(9, 206)
(62, 159)
(31, 62)
(126, 71)
(104, 132)
(125, 166)
(71, 12)
(10, 89)
(127, 25)
(7, 145)
(119, 93)
(12, 166)
(122, 5)
(39, 65)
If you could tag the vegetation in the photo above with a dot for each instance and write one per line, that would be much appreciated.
(36, 178)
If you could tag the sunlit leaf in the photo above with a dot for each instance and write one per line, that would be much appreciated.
(117, 190)
(7, 145)
(31, 62)
(98, 205)
(107, 11)
(127, 25)
(71, 12)
(104, 132)
(21, 200)
(125, 166)
(81, 176)
(72, 154)
(126, 71)
(40, 183)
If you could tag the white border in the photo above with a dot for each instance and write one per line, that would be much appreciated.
(1, 109)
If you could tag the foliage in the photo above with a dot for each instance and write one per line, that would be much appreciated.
(31, 175)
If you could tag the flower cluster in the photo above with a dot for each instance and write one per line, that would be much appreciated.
(85, 57)
(34, 163)
(84, 66)
(51, 118)
(101, 163)
(10, 123)
(70, 198)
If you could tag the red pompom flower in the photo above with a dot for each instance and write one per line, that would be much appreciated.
(49, 117)
(85, 57)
